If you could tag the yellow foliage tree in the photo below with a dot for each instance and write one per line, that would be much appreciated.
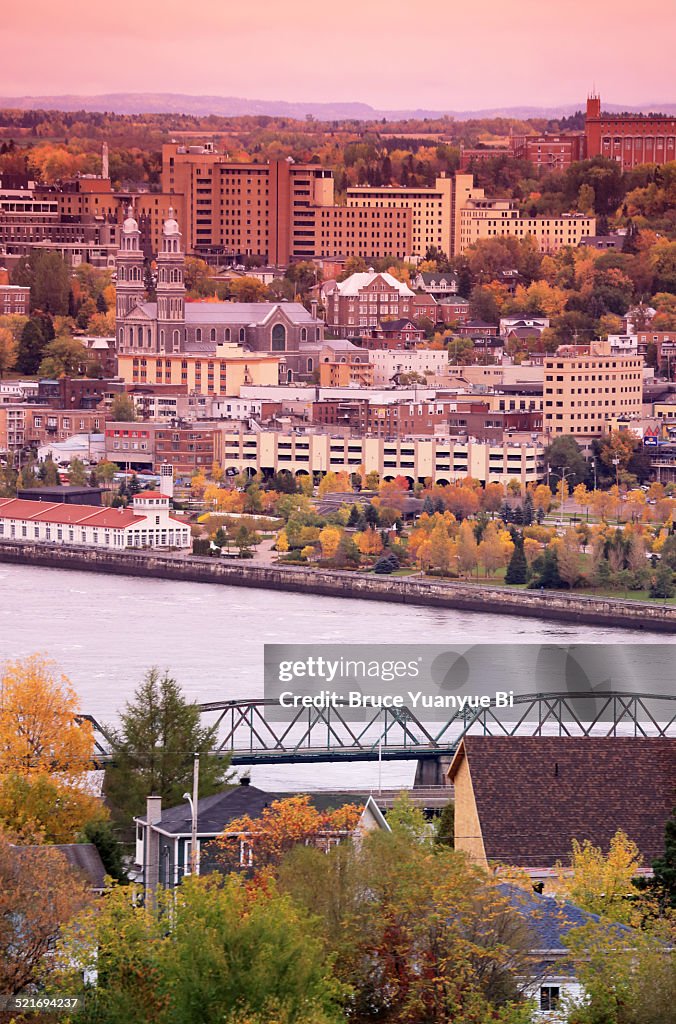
(198, 485)
(468, 549)
(282, 542)
(369, 542)
(542, 497)
(39, 729)
(602, 883)
(334, 482)
(329, 539)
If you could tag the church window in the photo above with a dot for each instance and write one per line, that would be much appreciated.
(278, 338)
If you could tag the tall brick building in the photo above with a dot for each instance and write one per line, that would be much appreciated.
(631, 139)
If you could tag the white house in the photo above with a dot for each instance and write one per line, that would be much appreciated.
(148, 524)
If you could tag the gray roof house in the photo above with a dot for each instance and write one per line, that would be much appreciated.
(163, 837)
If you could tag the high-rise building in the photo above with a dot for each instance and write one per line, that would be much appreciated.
(585, 387)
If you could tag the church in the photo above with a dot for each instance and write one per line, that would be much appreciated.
(172, 326)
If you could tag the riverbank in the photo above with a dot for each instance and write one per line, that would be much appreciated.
(402, 590)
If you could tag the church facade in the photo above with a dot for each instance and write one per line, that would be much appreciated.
(171, 326)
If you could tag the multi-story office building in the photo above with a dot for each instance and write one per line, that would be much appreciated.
(585, 387)
(430, 211)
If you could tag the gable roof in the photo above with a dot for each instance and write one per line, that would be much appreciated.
(216, 811)
(549, 920)
(354, 284)
(535, 794)
(73, 515)
(84, 858)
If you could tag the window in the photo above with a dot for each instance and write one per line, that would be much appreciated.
(278, 338)
(550, 997)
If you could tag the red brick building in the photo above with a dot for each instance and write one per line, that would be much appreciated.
(631, 139)
(187, 446)
(551, 151)
(366, 300)
(442, 417)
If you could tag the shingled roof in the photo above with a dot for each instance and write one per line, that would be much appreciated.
(534, 795)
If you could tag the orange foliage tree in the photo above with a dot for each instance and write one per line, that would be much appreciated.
(260, 842)
(39, 893)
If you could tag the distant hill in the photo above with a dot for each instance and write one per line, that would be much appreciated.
(233, 106)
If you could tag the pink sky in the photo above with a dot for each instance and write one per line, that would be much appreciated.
(447, 55)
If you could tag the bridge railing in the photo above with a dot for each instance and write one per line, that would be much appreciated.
(249, 733)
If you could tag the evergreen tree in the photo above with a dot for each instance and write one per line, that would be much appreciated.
(446, 826)
(354, 516)
(153, 751)
(48, 473)
(517, 570)
(662, 584)
(528, 509)
(102, 835)
(663, 883)
(31, 345)
(428, 505)
(371, 515)
(549, 578)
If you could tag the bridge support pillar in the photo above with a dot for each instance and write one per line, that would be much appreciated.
(431, 771)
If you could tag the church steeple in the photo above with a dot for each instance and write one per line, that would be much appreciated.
(129, 266)
(170, 285)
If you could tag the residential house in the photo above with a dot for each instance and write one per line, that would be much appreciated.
(521, 800)
(163, 837)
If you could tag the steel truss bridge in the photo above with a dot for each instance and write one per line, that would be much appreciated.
(250, 733)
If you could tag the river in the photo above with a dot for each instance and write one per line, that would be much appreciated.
(104, 632)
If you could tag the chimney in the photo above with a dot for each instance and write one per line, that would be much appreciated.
(313, 309)
(151, 853)
(245, 780)
(105, 173)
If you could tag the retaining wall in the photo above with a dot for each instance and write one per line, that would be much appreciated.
(403, 590)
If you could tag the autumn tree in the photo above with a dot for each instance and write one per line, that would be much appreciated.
(154, 748)
(9, 351)
(369, 542)
(407, 820)
(234, 952)
(40, 730)
(282, 825)
(329, 539)
(468, 549)
(39, 894)
(495, 548)
(415, 931)
(441, 551)
(603, 883)
(63, 356)
(568, 557)
(627, 975)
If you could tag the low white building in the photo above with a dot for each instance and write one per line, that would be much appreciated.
(88, 448)
(624, 343)
(388, 363)
(147, 524)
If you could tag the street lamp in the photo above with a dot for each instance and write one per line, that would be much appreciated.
(616, 463)
(192, 800)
